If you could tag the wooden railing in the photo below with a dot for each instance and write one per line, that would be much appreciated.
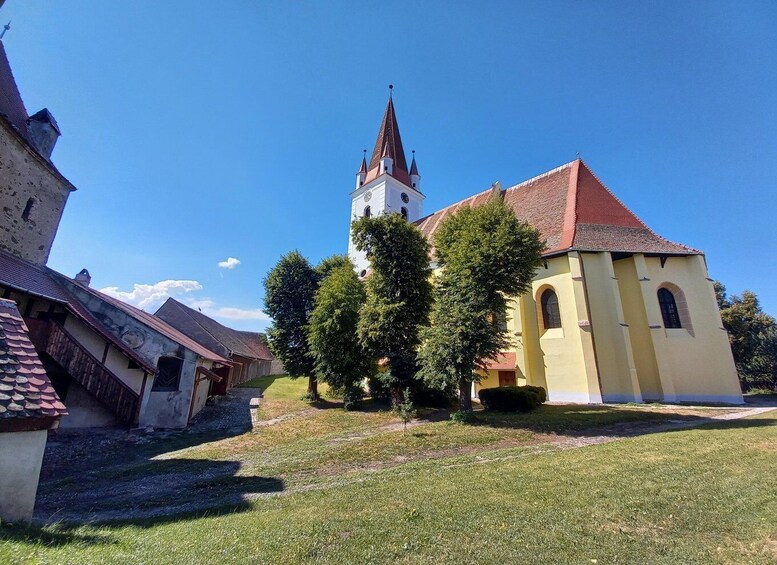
(84, 367)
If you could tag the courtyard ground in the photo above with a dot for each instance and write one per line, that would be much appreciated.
(312, 482)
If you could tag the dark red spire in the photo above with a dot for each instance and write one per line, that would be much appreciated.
(363, 168)
(389, 141)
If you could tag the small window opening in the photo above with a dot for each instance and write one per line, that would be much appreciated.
(404, 213)
(363, 273)
(551, 316)
(669, 310)
(168, 374)
(367, 212)
(28, 209)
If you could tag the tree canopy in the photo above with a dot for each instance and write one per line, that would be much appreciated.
(290, 289)
(753, 337)
(486, 256)
(399, 293)
(340, 360)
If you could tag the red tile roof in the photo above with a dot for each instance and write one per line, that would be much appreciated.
(505, 361)
(28, 277)
(25, 390)
(572, 210)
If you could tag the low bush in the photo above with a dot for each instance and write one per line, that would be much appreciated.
(512, 398)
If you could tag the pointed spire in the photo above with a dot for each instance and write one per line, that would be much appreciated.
(413, 166)
(389, 142)
(363, 168)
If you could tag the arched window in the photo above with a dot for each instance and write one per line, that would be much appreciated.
(367, 212)
(669, 309)
(404, 213)
(551, 317)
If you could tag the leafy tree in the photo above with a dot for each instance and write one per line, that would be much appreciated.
(331, 263)
(290, 288)
(753, 337)
(399, 294)
(486, 255)
(340, 360)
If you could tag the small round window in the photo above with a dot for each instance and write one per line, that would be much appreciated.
(405, 197)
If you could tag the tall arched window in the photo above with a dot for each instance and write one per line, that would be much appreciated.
(669, 309)
(367, 212)
(551, 317)
(404, 213)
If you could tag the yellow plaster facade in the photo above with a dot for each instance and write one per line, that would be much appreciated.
(612, 345)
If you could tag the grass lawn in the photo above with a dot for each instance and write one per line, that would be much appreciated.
(353, 487)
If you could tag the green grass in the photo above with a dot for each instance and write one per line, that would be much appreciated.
(359, 489)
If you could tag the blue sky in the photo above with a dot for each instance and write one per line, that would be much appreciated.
(200, 131)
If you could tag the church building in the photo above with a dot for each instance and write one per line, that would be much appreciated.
(616, 312)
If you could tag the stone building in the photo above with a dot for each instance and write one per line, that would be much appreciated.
(111, 363)
(616, 313)
(33, 193)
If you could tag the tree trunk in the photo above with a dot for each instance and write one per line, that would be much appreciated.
(465, 396)
(312, 388)
(397, 396)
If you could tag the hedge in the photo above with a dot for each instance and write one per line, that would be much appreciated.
(512, 398)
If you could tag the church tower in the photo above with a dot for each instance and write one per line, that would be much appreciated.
(385, 185)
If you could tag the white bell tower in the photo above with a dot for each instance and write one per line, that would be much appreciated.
(385, 185)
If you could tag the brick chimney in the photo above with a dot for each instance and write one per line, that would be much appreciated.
(44, 132)
(83, 278)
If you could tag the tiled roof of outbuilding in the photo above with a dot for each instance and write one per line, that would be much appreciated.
(572, 210)
(210, 333)
(25, 390)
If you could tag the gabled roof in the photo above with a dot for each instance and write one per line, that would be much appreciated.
(389, 143)
(572, 210)
(151, 322)
(212, 334)
(25, 390)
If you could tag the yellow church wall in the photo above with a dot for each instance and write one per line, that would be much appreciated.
(614, 360)
(635, 316)
(568, 359)
(694, 362)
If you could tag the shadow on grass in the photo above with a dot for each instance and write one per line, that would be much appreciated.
(157, 490)
(605, 420)
(52, 536)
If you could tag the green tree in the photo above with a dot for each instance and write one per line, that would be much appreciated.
(399, 294)
(340, 360)
(753, 337)
(331, 263)
(486, 255)
(290, 289)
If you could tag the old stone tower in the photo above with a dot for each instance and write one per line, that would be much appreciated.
(33, 193)
(385, 185)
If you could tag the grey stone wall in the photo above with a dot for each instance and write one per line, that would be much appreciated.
(25, 175)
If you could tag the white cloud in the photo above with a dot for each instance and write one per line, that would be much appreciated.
(230, 263)
(148, 296)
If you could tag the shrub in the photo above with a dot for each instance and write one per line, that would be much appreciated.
(464, 417)
(512, 398)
